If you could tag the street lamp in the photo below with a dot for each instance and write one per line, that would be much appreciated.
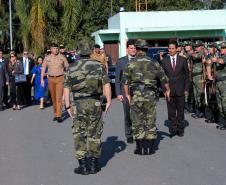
(10, 25)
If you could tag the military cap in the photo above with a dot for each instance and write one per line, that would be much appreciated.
(187, 43)
(140, 43)
(84, 47)
(62, 46)
(212, 45)
(97, 46)
(198, 43)
(180, 44)
(223, 45)
(54, 45)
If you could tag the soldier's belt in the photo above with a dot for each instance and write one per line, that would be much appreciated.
(196, 74)
(87, 97)
(223, 78)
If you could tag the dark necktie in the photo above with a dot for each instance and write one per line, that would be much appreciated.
(174, 64)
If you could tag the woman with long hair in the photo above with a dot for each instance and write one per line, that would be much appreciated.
(15, 67)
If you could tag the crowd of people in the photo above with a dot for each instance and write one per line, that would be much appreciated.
(192, 78)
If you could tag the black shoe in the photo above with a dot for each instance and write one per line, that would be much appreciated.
(221, 127)
(149, 146)
(172, 134)
(130, 140)
(210, 121)
(55, 118)
(197, 115)
(180, 134)
(139, 147)
(94, 167)
(59, 119)
(1, 109)
(82, 168)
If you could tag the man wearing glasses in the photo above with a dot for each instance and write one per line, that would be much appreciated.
(28, 64)
(56, 64)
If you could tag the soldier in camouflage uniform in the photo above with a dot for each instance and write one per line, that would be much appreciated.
(139, 79)
(211, 108)
(86, 79)
(221, 85)
(190, 100)
(198, 79)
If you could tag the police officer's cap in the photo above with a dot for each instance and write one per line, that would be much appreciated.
(54, 45)
(223, 45)
(198, 43)
(140, 43)
(180, 44)
(62, 46)
(84, 47)
(97, 46)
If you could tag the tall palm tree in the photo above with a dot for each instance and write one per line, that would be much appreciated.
(38, 26)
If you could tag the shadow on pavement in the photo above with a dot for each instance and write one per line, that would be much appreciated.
(111, 146)
(160, 136)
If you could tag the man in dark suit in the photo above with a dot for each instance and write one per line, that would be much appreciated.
(4, 79)
(122, 62)
(28, 64)
(176, 68)
(3, 60)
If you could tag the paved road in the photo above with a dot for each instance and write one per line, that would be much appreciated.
(36, 151)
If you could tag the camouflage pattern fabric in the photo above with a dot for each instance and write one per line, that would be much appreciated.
(221, 87)
(86, 78)
(140, 75)
(197, 80)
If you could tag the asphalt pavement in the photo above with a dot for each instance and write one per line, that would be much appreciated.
(34, 150)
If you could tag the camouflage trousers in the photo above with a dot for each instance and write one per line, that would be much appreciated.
(221, 97)
(87, 127)
(143, 116)
(198, 92)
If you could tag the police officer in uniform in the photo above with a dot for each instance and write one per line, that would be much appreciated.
(85, 80)
(139, 79)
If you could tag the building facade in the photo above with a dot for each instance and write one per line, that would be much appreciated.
(159, 27)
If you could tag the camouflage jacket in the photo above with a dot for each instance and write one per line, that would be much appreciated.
(86, 78)
(221, 69)
(143, 71)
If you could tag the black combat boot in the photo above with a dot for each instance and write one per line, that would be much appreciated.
(222, 124)
(94, 167)
(149, 146)
(139, 147)
(82, 168)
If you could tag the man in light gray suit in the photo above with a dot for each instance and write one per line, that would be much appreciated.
(122, 62)
(4, 79)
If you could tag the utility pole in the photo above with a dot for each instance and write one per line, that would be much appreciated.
(141, 5)
(111, 9)
(10, 25)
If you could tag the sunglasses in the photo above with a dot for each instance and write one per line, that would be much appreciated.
(12, 56)
(25, 53)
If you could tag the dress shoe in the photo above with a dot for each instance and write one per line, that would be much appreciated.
(94, 167)
(172, 134)
(55, 118)
(198, 115)
(82, 168)
(59, 119)
(130, 140)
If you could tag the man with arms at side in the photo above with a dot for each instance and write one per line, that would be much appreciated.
(56, 64)
(176, 68)
(122, 62)
(28, 64)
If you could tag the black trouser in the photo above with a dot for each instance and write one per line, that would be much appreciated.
(16, 92)
(128, 123)
(176, 113)
(26, 91)
(5, 98)
(1, 96)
